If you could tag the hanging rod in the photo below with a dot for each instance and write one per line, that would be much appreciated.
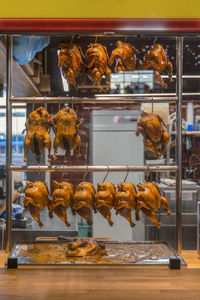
(73, 169)
(99, 99)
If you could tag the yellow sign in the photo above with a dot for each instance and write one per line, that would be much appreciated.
(100, 9)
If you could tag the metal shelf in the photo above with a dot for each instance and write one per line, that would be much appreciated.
(98, 99)
(74, 169)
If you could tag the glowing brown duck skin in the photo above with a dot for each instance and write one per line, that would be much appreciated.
(81, 248)
(66, 126)
(83, 200)
(149, 200)
(36, 199)
(125, 57)
(104, 200)
(62, 200)
(156, 60)
(97, 60)
(126, 201)
(156, 138)
(70, 61)
(37, 138)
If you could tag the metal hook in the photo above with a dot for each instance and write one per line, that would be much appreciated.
(148, 171)
(126, 37)
(154, 40)
(59, 106)
(96, 37)
(72, 39)
(152, 104)
(126, 174)
(63, 172)
(38, 175)
(85, 175)
(106, 174)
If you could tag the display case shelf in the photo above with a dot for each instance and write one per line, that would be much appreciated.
(93, 168)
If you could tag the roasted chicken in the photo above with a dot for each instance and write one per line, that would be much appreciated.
(83, 200)
(104, 200)
(36, 199)
(97, 59)
(62, 200)
(81, 248)
(70, 62)
(37, 138)
(156, 59)
(65, 127)
(155, 137)
(126, 201)
(125, 57)
(149, 200)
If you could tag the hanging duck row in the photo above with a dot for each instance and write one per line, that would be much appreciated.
(71, 63)
(84, 198)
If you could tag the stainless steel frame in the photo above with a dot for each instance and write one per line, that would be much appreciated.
(179, 90)
(171, 97)
(8, 141)
(198, 229)
(75, 169)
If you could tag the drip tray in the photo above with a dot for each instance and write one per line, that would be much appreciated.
(52, 253)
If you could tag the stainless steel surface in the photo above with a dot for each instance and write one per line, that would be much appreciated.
(118, 253)
(99, 99)
(75, 169)
(198, 229)
(8, 141)
(179, 89)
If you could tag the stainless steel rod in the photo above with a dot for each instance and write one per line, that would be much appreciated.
(8, 141)
(100, 99)
(73, 169)
(179, 90)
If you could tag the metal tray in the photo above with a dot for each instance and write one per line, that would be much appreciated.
(52, 253)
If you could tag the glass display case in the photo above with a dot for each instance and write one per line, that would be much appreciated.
(111, 151)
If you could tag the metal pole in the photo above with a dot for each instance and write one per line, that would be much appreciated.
(8, 141)
(74, 169)
(179, 90)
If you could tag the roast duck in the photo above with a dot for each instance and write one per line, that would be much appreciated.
(156, 59)
(65, 127)
(81, 248)
(97, 60)
(149, 201)
(83, 200)
(126, 201)
(37, 129)
(70, 62)
(36, 199)
(155, 137)
(62, 200)
(125, 57)
(104, 200)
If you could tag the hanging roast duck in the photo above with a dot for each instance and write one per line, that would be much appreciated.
(104, 200)
(156, 59)
(83, 200)
(62, 200)
(125, 57)
(126, 201)
(97, 60)
(155, 137)
(36, 199)
(149, 200)
(70, 62)
(37, 138)
(66, 126)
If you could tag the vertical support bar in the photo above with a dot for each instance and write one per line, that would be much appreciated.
(179, 89)
(198, 229)
(8, 142)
